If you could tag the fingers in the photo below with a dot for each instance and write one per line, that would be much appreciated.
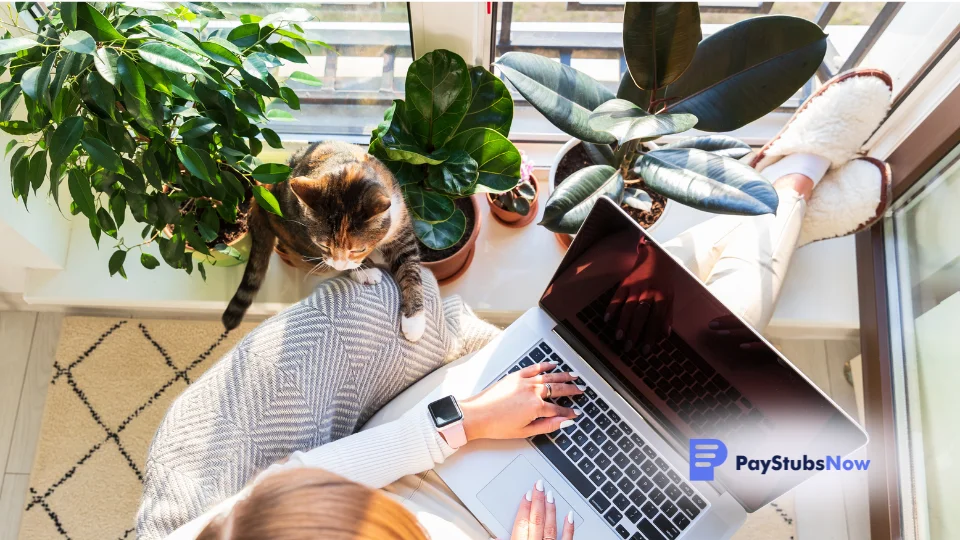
(536, 369)
(561, 377)
(549, 410)
(557, 390)
(537, 513)
(725, 322)
(546, 425)
(550, 525)
(618, 299)
(521, 525)
(638, 323)
(568, 527)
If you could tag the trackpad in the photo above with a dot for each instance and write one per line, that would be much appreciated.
(502, 495)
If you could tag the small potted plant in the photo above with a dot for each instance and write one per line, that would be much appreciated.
(145, 113)
(517, 207)
(446, 143)
(674, 82)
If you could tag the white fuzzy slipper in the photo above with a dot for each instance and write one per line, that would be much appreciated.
(847, 200)
(835, 121)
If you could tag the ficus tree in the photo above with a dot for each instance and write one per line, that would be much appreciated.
(675, 81)
(146, 112)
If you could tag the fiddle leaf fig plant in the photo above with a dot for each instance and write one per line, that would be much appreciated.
(146, 113)
(675, 81)
(446, 141)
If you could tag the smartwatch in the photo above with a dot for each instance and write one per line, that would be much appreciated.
(448, 418)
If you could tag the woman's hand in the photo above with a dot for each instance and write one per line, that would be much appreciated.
(537, 517)
(642, 307)
(514, 407)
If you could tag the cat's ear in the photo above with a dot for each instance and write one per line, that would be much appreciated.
(305, 188)
(380, 203)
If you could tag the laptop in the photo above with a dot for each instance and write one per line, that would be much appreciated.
(699, 384)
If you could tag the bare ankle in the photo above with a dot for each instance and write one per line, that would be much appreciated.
(799, 183)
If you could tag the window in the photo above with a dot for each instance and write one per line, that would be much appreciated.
(893, 36)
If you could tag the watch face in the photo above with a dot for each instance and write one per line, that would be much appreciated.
(445, 411)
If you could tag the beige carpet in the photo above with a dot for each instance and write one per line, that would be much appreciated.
(112, 382)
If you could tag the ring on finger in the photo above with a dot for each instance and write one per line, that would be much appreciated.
(549, 391)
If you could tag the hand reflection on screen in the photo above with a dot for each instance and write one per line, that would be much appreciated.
(642, 307)
(733, 330)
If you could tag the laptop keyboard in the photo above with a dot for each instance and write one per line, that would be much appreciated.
(700, 396)
(625, 480)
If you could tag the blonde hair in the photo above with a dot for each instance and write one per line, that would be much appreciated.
(312, 503)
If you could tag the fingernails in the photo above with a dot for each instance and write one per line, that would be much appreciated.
(539, 485)
(570, 517)
(628, 345)
(550, 497)
(606, 317)
(714, 324)
(619, 334)
(566, 424)
(581, 387)
(577, 412)
(723, 332)
(529, 496)
(574, 374)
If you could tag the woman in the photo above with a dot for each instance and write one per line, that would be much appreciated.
(332, 491)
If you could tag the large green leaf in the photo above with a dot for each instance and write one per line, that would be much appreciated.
(15, 45)
(707, 182)
(305, 78)
(615, 117)
(599, 154)
(627, 122)
(271, 173)
(18, 127)
(659, 40)
(193, 162)
(93, 22)
(572, 200)
(266, 200)
(166, 57)
(38, 170)
(438, 97)
(490, 104)
(629, 91)
(102, 154)
(105, 61)
(398, 142)
(65, 139)
(79, 186)
(80, 42)
(498, 160)
(441, 235)
(219, 52)
(562, 94)
(721, 145)
(68, 14)
(100, 94)
(428, 206)
(747, 70)
(456, 175)
(245, 35)
(36, 81)
(171, 35)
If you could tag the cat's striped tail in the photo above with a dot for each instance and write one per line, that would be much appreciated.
(263, 238)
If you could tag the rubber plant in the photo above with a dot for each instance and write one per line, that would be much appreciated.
(447, 140)
(674, 82)
(145, 112)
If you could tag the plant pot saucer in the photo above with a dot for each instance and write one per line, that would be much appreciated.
(463, 269)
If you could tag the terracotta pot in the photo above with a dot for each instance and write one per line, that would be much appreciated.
(566, 239)
(513, 219)
(216, 258)
(449, 269)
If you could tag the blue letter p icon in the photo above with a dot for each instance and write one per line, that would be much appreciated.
(705, 455)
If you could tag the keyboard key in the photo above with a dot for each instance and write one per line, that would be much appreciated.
(603, 405)
(667, 527)
(681, 521)
(638, 498)
(609, 490)
(626, 428)
(567, 402)
(669, 508)
(687, 490)
(602, 461)
(563, 442)
(633, 472)
(537, 355)
(649, 452)
(637, 440)
(621, 460)
(525, 362)
(586, 466)
(614, 433)
(598, 436)
(598, 477)
(609, 448)
(603, 421)
(625, 444)
(624, 533)
(644, 484)
(591, 409)
(575, 453)
(660, 480)
(633, 514)
(657, 496)
(514, 369)
(555, 456)
(569, 430)
(621, 502)
(613, 516)
(586, 425)
(566, 368)
(599, 503)
(699, 502)
(580, 438)
(637, 457)
(674, 477)
(673, 492)
(556, 359)
(613, 415)
(590, 392)
(662, 464)
(648, 467)
(591, 449)
(580, 399)
(625, 485)
(688, 508)
(546, 348)
(650, 531)
(649, 509)
(614, 473)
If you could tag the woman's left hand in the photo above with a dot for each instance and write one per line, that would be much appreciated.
(515, 407)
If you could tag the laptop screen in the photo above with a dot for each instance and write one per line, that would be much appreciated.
(676, 353)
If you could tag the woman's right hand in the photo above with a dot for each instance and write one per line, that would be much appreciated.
(515, 407)
(537, 517)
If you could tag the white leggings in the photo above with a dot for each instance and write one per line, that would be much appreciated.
(743, 260)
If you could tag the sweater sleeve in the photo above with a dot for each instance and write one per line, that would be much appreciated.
(380, 456)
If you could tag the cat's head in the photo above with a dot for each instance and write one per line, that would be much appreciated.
(347, 211)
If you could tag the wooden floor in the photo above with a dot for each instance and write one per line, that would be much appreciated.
(28, 343)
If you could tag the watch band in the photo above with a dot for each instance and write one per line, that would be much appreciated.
(454, 434)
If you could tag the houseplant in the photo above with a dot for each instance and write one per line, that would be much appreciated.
(445, 143)
(674, 82)
(517, 207)
(137, 115)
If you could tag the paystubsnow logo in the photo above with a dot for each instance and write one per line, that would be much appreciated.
(708, 454)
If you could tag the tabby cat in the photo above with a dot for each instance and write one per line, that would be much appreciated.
(339, 205)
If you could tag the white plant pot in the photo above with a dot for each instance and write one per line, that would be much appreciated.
(569, 146)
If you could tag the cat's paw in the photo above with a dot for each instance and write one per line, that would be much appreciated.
(367, 276)
(413, 327)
